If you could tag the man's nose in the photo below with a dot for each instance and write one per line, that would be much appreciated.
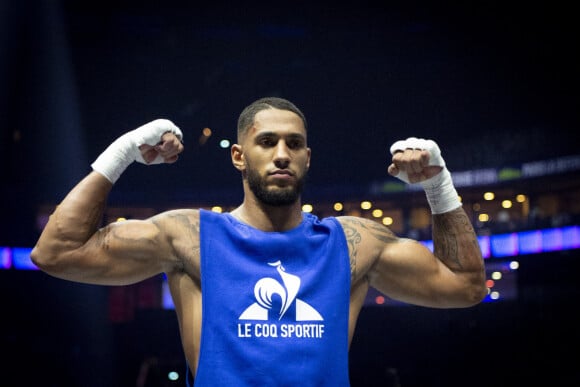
(282, 151)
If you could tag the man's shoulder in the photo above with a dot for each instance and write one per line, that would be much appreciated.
(184, 216)
(352, 221)
(180, 212)
(363, 226)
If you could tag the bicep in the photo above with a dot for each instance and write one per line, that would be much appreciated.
(407, 271)
(402, 269)
(120, 253)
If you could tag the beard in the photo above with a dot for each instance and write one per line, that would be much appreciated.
(278, 196)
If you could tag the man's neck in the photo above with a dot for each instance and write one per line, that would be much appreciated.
(269, 218)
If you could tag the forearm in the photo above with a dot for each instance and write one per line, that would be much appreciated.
(74, 220)
(459, 273)
(455, 244)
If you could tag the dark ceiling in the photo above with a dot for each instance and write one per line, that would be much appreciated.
(494, 84)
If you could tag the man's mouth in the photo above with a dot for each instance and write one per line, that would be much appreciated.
(281, 173)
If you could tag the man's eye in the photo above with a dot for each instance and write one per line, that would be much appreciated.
(295, 144)
(267, 142)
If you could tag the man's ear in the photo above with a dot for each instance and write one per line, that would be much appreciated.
(238, 157)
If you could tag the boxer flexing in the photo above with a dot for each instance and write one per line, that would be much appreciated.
(265, 295)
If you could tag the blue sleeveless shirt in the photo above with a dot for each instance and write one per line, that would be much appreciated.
(275, 304)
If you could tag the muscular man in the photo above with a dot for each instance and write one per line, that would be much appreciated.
(265, 295)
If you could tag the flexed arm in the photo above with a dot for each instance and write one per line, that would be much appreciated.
(454, 274)
(72, 246)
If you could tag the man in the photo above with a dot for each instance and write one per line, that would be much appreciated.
(266, 295)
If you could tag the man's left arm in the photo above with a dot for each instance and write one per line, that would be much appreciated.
(454, 274)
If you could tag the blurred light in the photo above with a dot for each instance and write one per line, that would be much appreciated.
(571, 237)
(496, 275)
(387, 220)
(205, 134)
(379, 300)
(173, 375)
(338, 206)
(5, 258)
(521, 198)
(530, 242)
(307, 207)
(483, 217)
(21, 259)
(224, 143)
(120, 219)
(494, 295)
(217, 209)
(377, 213)
(489, 283)
(506, 204)
(552, 239)
(484, 245)
(504, 245)
(489, 196)
(365, 205)
(16, 135)
(514, 265)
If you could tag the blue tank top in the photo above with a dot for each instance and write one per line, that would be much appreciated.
(275, 304)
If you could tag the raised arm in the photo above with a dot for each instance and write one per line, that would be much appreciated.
(73, 247)
(454, 274)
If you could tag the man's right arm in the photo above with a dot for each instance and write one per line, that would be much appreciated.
(73, 247)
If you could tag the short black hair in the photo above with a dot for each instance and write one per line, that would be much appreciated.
(246, 119)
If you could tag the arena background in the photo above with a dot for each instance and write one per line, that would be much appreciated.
(494, 83)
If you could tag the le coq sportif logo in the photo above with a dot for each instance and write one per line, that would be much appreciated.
(265, 309)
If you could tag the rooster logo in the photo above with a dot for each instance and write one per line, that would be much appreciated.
(266, 288)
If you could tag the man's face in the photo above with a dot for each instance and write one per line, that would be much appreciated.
(276, 158)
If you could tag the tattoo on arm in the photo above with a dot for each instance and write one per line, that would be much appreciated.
(446, 230)
(353, 238)
(351, 226)
(191, 226)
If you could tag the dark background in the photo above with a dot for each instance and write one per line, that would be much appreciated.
(494, 83)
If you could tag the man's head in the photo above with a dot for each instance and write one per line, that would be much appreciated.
(272, 151)
(247, 116)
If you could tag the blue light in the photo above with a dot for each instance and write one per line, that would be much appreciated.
(552, 239)
(5, 257)
(504, 245)
(484, 245)
(570, 237)
(530, 242)
(21, 258)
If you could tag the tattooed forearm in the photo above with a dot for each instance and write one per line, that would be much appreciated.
(449, 231)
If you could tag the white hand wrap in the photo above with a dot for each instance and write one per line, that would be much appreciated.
(125, 149)
(440, 191)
